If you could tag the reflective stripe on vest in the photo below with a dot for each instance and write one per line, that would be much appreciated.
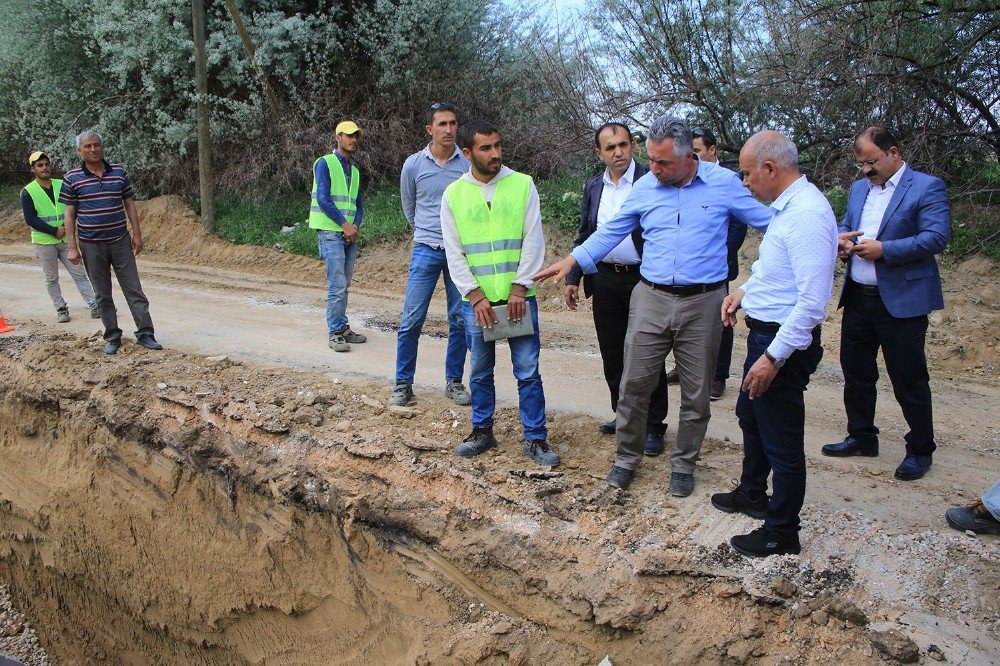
(343, 198)
(48, 212)
(492, 235)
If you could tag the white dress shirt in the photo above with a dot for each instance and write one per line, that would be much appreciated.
(792, 280)
(863, 270)
(612, 198)
(532, 250)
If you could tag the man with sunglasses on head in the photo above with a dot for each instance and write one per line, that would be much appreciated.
(44, 213)
(897, 219)
(422, 182)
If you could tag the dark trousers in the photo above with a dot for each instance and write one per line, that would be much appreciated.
(725, 358)
(866, 327)
(773, 427)
(612, 293)
(99, 259)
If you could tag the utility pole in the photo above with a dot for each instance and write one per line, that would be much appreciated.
(241, 28)
(204, 129)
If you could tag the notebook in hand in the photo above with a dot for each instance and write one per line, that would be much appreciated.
(505, 328)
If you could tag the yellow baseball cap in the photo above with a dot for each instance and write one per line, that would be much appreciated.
(35, 156)
(348, 127)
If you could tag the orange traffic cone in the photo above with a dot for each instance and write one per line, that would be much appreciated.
(4, 326)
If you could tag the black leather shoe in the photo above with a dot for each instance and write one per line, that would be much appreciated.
(111, 347)
(609, 428)
(761, 543)
(149, 342)
(654, 444)
(619, 477)
(913, 467)
(851, 447)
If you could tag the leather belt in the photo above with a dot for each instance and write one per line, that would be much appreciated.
(868, 289)
(770, 326)
(618, 268)
(685, 289)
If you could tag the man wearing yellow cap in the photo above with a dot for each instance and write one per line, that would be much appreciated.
(44, 214)
(335, 212)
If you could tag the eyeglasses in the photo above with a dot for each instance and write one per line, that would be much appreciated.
(867, 163)
(698, 133)
(442, 106)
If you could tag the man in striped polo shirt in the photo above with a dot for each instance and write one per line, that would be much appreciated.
(99, 208)
(44, 214)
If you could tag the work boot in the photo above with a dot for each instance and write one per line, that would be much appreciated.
(681, 484)
(480, 440)
(111, 347)
(974, 518)
(353, 338)
(539, 451)
(761, 543)
(457, 392)
(402, 395)
(62, 315)
(619, 477)
(654, 444)
(338, 343)
(738, 501)
(149, 342)
(609, 428)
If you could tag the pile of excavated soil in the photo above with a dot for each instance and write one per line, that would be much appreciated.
(166, 503)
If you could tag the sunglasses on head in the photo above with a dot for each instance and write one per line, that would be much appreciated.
(442, 106)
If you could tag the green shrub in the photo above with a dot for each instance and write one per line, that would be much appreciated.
(560, 201)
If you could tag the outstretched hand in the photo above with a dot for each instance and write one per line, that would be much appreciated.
(558, 270)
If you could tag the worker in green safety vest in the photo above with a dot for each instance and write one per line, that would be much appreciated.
(335, 212)
(44, 214)
(492, 228)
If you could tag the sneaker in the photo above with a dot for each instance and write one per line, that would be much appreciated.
(975, 518)
(673, 377)
(480, 440)
(402, 394)
(654, 444)
(619, 477)
(681, 485)
(539, 451)
(338, 343)
(457, 392)
(761, 543)
(718, 389)
(111, 347)
(609, 428)
(353, 338)
(740, 502)
(62, 315)
(149, 342)
(95, 311)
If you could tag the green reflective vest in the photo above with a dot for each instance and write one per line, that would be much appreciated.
(48, 212)
(492, 235)
(345, 200)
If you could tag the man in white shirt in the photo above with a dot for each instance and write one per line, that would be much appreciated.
(616, 276)
(785, 303)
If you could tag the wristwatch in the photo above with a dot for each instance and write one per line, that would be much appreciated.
(776, 362)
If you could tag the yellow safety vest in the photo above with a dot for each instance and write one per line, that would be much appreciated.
(48, 212)
(345, 200)
(492, 235)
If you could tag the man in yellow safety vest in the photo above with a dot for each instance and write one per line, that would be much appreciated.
(492, 227)
(43, 212)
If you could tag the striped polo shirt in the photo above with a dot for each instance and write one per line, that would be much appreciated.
(99, 201)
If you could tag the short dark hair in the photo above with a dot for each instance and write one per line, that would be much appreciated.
(880, 136)
(705, 135)
(467, 132)
(597, 134)
(440, 106)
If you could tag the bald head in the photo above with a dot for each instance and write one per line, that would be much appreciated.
(769, 163)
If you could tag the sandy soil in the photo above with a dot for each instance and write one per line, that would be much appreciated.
(880, 542)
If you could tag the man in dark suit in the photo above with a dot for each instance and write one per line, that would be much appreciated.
(897, 220)
(618, 274)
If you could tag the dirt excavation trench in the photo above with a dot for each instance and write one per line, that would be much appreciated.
(172, 508)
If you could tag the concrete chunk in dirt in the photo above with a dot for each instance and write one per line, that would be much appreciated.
(895, 645)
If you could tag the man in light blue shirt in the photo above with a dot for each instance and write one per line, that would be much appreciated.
(785, 303)
(422, 182)
(683, 207)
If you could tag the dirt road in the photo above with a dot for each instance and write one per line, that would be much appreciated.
(940, 584)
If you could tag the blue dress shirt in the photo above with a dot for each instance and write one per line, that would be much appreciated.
(684, 228)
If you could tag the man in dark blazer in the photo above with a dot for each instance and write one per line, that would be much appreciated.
(618, 274)
(897, 220)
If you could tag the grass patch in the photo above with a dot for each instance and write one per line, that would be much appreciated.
(560, 201)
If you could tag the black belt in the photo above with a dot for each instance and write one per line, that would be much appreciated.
(770, 326)
(618, 268)
(685, 289)
(868, 289)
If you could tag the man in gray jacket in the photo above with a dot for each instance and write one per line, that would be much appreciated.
(422, 182)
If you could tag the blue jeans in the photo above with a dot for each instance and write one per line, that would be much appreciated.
(425, 267)
(339, 258)
(524, 357)
(773, 427)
